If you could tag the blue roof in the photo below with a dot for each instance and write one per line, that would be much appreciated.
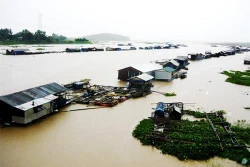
(169, 69)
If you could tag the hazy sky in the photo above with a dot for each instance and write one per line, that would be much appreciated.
(188, 20)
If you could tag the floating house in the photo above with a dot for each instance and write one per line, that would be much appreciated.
(17, 51)
(132, 48)
(230, 52)
(167, 74)
(247, 60)
(157, 47)
(28, 105)
(113, 48)
(182, 60)
(140, 85)
(196, 56)
(173, 111)
(173, 64)
(73, 50)
(132, 71)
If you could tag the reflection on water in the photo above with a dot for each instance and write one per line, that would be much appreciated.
(103, 137)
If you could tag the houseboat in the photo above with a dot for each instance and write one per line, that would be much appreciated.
(196, 56)
(31, 104)
(247, 60)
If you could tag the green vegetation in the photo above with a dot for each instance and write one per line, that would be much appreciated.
(170, 94)
(40, 49)
(196, 140)
(247, 108)
(39, 37)
(238, 77)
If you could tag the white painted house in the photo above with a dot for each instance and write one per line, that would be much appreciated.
(166, 74)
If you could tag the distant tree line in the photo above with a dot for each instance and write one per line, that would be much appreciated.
(80, 39)
(25, 36)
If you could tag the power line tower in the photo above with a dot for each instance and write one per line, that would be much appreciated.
(40, 23)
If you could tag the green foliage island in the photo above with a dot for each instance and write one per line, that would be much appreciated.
(195, 140)
(39, 37)
(170, 94)
(238, 77)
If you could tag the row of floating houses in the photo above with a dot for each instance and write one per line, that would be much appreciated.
(122, 47)
(119, 47)
(165, 70)
(31, 104)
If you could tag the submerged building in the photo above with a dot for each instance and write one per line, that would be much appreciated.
(28, 105)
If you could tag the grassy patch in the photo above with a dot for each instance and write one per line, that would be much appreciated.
(170, 94)
(195, 140)
(40, 49)
(247, 108)
(238, 77)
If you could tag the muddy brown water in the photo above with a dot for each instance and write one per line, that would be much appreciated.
(103, 137)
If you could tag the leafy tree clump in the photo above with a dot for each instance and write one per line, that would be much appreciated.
(39, 37)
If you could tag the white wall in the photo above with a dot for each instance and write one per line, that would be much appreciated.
(30, 115)
(163, 75)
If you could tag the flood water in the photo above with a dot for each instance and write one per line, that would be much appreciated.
(103, 137)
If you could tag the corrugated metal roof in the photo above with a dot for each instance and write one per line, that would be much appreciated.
(29, 95)
(147, 67)
(175, 63)
(36, 102)
(144, 77)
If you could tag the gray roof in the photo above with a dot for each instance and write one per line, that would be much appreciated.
(147, 67)
(181, 58)
(32, 94)
(18, 50)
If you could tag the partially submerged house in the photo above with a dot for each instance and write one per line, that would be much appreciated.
(132, 71)
(28, 105)
(167, 74)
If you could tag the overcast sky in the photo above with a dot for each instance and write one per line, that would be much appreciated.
(187, 20)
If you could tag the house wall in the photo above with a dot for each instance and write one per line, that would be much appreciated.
(126, 73)
(7, 111)
(152, 73)
(163, 75)
(30, 115)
